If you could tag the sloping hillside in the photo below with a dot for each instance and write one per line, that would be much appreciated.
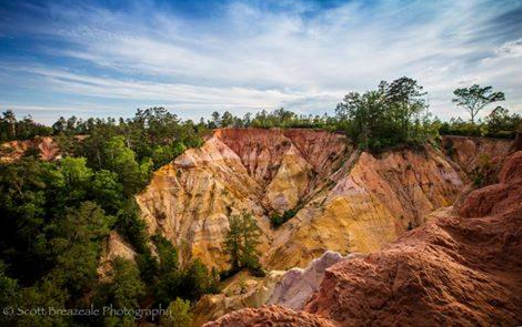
(460, 269)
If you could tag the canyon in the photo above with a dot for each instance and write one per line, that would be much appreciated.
(343, 200)
(425, 235)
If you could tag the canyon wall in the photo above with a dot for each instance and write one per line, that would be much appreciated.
(260, 171)
(462, 268)
(341, 200)
(372, 202)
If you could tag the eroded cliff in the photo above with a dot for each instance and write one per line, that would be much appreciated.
(342, 200)
(46, 147)
(462, 268)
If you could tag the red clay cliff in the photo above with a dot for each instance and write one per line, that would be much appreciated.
(460, 269)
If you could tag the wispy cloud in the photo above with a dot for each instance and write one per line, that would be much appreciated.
(252, 55)
(511, 49)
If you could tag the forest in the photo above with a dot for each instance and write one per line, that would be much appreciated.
(57, 215)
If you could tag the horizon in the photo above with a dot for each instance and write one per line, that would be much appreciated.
(106, 59)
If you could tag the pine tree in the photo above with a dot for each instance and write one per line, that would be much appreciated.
(242, 241)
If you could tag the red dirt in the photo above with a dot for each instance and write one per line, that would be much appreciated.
(458, 270)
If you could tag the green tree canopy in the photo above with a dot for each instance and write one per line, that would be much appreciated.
(475, 98)
(394, 113)
(178, 314)
(241, 242)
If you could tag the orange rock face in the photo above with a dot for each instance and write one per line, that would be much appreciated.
(462, 269)
(260, 171)
(371, 203)
(469, 152)
(14, 150)
(339, 199)
(262, 150)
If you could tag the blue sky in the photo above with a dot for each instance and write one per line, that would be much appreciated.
(107, 58)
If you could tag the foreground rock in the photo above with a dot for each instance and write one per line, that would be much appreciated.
(461, 269)
(242, 291)
(291, 289)
(271, 316)
(298, 285)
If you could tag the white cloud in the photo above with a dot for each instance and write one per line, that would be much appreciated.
(511, 49)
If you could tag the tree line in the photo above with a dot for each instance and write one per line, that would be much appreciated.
(395, 112)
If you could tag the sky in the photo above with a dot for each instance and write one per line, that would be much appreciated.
(108, 58)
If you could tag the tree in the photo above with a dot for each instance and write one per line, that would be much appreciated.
(178, 314)
(227, 120)
(44, 294)
(390, 115)
(126, 287)
(501, 124)
(60, 125)
(475, 98)
(241, 242)
(366, 113)
(75, 239)
(8, 289)
(167, 253)
(122, 160)
(216, 120)
(10, 118)
(404, 96)
(196, 280)
(107, 191)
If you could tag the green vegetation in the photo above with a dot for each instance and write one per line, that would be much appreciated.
(475, 98)
(277, 219)
(241, 243)
(123, 291)
(395, 113)
(499, 124)
(278, 118)
(178, 314)
(13, 129)
(484, 172)
(57, 215)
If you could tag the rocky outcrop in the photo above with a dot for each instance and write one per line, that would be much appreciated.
(243, 291)
(494, 199)
(471, 152)
(289, 165)
(462, 268)
(290, 289)
(343, 200)
(371, 203)
(260, 171)
(189, 201)
(46, 147)
(297, 285)
(114, 248)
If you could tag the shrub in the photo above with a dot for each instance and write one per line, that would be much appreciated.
(178, 314)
